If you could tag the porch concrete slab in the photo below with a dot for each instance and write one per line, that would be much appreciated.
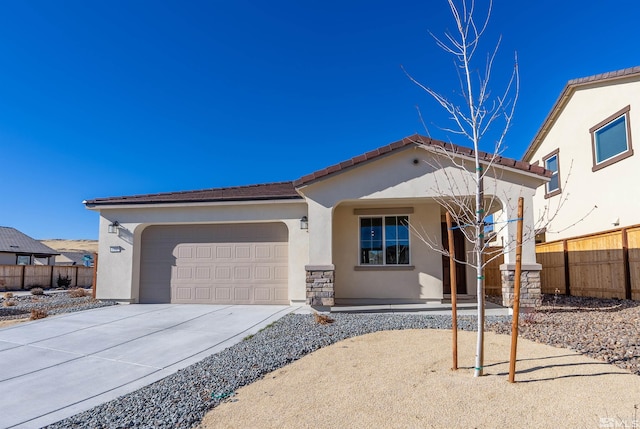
(430, 308)
(56, 367)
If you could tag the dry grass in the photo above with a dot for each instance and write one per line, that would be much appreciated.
(37, 291)
(9, 303)
(77, 293)
(38, 314)
(323, 319)
(8, 295)
(90, 246)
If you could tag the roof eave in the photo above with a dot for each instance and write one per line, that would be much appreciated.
(98, 205)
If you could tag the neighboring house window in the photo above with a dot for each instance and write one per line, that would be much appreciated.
(24, 260)
(384, 240)
(552, 163)
(611, 140)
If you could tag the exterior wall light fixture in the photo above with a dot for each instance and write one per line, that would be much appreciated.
(304, 222)
(113, 227)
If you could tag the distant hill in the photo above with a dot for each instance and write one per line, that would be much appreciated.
(63, 245)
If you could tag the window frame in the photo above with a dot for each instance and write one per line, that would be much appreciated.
(18, 256)
(622, 113)
(552, 192)
(384, 240)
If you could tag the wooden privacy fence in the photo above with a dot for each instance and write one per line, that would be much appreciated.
(492, 275)
(16, 277)
(604, 265)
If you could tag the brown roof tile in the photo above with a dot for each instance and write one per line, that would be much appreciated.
(267, 191)
(287, 190)
(413, 140)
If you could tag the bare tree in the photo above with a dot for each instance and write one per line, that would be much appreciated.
(472, 116)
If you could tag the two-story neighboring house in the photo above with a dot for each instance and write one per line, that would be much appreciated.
(586, 140)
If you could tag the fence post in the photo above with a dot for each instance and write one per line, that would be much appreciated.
(567, 280)
(625, 261)
(22, 277)
(95, 275)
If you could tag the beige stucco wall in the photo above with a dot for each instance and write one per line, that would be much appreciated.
(611, 189)
(410, 174)
(119, 273)
(422, 282)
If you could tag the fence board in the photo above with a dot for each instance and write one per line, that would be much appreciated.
(551, 257)
(492, 275)
(37, 276)
(633, 241)
(596, 266)
(85, 276)
(10, 277)
(64, 271)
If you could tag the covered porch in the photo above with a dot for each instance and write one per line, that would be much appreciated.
(376, 232)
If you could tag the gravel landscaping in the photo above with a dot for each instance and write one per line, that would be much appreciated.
(20, 306)
(604, 329)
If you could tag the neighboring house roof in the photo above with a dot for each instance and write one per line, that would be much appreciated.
(76, 257)
(267, 191)
(14, 241)
(287, 190)
(565, 95)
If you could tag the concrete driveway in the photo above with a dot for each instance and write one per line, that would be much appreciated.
(56, 367)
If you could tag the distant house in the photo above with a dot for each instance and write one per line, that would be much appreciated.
(586, 141)
(82, 259)
(17, 248)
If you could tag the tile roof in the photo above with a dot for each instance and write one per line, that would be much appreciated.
(287, 190)
(14, 241)
(414, 140)
(564, 97)
(267, 191)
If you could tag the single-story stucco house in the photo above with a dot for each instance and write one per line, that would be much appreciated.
(345, 234)
(17, 248)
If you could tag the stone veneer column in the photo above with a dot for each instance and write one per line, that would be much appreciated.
(320, 280)
(530, 287)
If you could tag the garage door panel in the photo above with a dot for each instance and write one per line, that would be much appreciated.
(241, 294)
(226, 264)
(223, 252)
(243, 252)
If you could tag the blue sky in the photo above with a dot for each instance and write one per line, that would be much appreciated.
(107, 98)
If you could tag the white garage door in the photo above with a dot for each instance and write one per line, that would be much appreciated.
(215, 264)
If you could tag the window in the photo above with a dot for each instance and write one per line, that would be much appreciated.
(611, 140)
(384, 240)
(24, 260)
(552, 163)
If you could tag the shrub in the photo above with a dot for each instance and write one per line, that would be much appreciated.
(38, 314)
(37, 291)
(322, 319)
(77, 293)
(10, 303)
(64, 282)
(8, 295)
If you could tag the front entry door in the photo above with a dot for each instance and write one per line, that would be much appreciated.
(461, 272)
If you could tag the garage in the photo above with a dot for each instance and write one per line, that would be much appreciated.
(215, 264)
